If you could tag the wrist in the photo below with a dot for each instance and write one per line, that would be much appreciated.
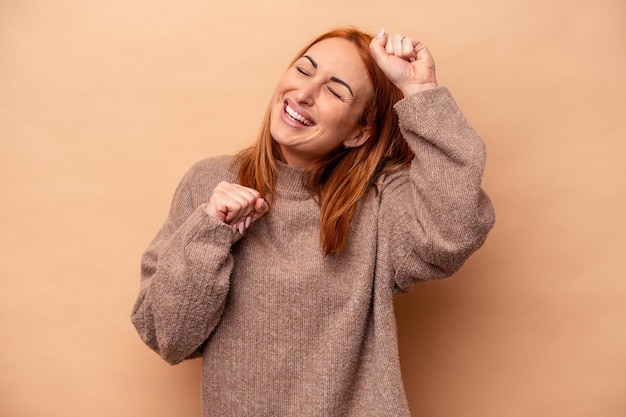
(413, 89)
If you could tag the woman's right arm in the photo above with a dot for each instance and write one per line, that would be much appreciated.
(185, 276)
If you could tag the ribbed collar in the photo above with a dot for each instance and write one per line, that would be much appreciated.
(289, 182)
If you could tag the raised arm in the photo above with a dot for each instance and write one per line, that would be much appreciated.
(435, 214)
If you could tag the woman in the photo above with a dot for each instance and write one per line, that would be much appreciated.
(279, 266)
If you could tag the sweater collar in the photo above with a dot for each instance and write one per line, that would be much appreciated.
(289, 182)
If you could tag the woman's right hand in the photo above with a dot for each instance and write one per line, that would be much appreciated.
(236, 205)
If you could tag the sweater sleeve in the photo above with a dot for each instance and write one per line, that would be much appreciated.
(185, 276)
(435, 214)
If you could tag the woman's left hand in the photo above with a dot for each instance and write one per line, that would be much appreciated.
(407, 63)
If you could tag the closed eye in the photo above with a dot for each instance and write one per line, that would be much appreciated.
(303, 71)
(334, 93)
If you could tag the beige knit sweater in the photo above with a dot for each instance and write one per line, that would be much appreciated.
(285, 331)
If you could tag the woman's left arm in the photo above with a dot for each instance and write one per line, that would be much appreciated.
(435, 214)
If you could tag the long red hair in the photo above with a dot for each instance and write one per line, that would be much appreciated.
(341, 178)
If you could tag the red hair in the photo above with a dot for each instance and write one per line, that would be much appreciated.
(341, 178)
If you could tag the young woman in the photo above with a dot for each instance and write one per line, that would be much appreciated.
(279, 265)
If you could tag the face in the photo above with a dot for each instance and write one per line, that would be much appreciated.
(317, 102)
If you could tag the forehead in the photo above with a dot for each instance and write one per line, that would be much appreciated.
(340, 58)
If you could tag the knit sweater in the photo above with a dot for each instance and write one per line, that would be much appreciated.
(284, 330)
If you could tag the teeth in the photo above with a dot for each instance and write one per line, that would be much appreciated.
(295, 115)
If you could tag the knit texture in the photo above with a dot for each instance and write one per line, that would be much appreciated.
(286, 331)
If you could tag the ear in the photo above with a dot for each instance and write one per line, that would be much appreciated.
(359, 138)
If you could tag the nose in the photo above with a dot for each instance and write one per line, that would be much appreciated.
(307, 92)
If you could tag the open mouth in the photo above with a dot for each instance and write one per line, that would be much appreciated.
(294, 115)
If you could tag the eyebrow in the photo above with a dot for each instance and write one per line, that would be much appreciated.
(333, 78)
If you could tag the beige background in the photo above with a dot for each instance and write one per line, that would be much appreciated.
(105, 104)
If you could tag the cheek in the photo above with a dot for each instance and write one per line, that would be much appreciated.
(276, 97)
(342, 119)
(336, 113)
(279, 89)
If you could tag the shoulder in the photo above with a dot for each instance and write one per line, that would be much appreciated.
(202, 177)
(214, 165)
(213, 169)
(393, 177)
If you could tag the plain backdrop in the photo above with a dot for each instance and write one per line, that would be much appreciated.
(105, 104)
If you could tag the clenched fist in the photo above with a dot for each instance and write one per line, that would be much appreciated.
(236, 205)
